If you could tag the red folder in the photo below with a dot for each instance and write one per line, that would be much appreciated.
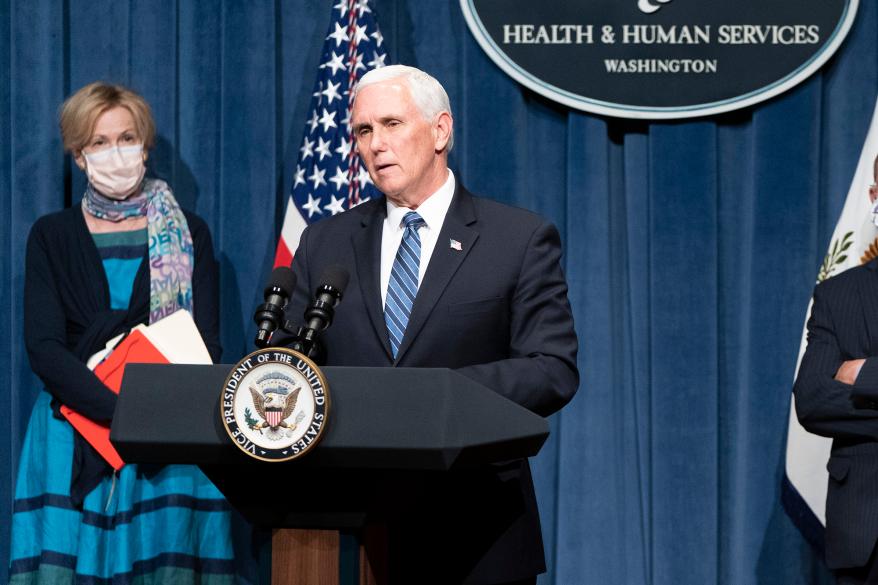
(135, 348)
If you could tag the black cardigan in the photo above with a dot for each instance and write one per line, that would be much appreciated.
(67, 318)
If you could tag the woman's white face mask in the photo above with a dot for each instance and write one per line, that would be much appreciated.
(116, 172)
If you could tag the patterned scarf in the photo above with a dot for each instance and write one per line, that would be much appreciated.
(102, 207)
(171, 253)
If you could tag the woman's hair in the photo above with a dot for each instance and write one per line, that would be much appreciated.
(80, 112)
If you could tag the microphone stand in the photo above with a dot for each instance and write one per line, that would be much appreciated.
(318, 317)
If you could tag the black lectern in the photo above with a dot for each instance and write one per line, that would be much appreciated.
(389, 429)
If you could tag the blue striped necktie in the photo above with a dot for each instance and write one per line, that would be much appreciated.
(403, 284)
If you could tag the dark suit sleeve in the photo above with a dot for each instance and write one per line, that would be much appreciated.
(205, 287)
(824, 405)
(866, 384)
(45, 335)
(541, 372)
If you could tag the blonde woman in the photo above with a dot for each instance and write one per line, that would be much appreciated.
(126, 255)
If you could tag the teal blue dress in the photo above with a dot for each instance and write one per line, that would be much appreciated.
(144, 525)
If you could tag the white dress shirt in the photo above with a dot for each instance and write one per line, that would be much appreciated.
(432, 211)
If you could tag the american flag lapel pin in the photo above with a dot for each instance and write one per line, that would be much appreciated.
(455, 245)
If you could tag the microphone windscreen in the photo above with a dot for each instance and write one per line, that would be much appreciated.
(335, 276)
(284, 279)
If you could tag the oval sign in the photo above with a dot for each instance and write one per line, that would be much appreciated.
(659, 59)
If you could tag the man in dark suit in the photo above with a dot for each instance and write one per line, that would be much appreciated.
(467, 284)
(836, 394)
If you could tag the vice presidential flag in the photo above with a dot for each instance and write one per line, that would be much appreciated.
(329, 177)
(854, 242)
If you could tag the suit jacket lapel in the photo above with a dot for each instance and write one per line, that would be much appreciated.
(443, 263)
(868, 293)
(367, 249)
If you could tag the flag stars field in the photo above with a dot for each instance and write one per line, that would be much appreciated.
(353, 45)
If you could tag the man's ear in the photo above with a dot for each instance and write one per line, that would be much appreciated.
(442, 127)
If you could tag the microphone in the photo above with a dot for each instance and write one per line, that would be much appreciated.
(270, 314)
(319, 314)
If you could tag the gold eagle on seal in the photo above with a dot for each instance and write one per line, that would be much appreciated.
(274, 408)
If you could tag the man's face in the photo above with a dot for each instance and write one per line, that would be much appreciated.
(403, 152)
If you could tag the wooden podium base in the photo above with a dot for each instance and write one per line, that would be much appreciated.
(311, 557)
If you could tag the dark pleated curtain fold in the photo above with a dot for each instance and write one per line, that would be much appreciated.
(690, 249)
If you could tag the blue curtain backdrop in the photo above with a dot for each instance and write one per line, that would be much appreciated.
(691, 249)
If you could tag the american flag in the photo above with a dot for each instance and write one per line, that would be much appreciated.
(329, 177)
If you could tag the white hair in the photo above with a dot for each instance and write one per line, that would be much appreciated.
(427, 93)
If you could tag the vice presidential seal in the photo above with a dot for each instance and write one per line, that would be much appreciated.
(274, 405)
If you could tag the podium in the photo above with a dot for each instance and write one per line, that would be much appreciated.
(388, 430)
